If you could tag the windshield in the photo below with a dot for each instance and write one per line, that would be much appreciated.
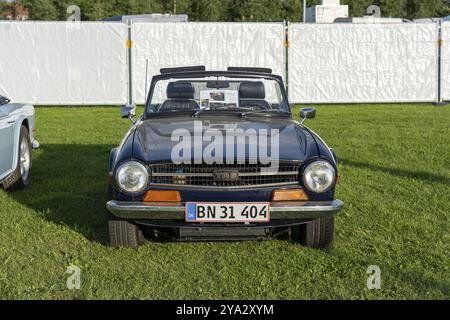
(217, 93)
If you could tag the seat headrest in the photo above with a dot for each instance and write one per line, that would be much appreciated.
(252, 90)
(180, 90)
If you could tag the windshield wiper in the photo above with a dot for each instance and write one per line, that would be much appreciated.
(265, 112)
(198, 112)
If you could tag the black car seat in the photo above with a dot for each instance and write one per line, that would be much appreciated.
(251, 94)
(180, 97)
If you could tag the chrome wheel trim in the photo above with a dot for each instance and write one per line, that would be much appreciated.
(25, 159)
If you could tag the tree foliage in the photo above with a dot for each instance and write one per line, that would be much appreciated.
(223, 10)
(41, 9)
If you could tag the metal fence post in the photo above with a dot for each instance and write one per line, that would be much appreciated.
(439, 101)
(129, 45)
(286, 55)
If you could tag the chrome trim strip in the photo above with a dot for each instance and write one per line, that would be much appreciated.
(278, 210)
(218, 188)
(166, 174)
(279, 173)
(245, 174)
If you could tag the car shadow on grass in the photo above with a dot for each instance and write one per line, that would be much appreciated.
(391, 275)
(69, 187)
(418, 175)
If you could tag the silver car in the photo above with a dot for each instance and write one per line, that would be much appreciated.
(16, 143)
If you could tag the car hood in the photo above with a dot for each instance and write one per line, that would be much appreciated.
(155, 139)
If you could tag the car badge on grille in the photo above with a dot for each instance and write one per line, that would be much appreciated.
(226, 175)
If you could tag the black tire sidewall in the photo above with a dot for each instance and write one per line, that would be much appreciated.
(317, 234)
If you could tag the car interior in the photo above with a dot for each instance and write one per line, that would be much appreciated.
(180, 97)
(253, 94)
(189, 96)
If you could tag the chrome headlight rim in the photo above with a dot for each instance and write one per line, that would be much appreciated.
(315, 163)
(145, 170)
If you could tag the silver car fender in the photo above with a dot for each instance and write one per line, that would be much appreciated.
(18, 114)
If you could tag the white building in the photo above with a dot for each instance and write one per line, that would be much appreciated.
(326, 12)
(153, 17)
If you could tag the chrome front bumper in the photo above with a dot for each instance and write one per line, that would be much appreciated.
(278, 210)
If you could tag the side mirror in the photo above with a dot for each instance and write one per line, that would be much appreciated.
(3, 100)
(128, 111)
(307, 113)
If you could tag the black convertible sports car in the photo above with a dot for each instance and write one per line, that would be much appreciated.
(217, 155)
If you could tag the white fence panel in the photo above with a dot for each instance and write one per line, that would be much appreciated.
(445, 61)
(215, 45)
(59, 63)
(345, 63)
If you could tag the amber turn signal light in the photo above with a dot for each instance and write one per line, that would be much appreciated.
(162, 196)
(290, 195)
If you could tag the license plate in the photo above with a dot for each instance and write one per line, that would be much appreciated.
(228, 212)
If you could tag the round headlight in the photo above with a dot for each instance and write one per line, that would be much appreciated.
(132, 177)
(319, 176)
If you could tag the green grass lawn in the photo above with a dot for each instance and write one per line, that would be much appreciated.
(395, 166)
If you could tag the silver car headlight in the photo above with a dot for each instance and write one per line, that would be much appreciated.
(132, 177)
(319, 176)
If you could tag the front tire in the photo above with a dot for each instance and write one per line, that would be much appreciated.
(124, 234)
(317, 234)
(21, 176)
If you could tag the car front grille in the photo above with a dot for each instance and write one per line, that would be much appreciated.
(236, 175)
